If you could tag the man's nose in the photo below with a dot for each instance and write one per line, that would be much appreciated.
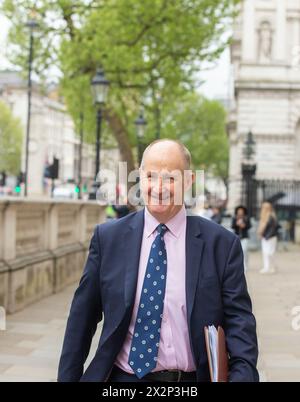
(158, 185)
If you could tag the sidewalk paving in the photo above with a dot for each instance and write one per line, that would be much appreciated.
(274, 297)
(31, 345)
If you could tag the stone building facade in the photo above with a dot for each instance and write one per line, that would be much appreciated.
(265, 55)
(52, 134)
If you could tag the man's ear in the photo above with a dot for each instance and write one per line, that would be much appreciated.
(189, 179)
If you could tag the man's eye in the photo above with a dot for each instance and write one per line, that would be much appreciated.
(152, 176)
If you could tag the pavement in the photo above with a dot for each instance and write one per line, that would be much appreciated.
(31, 344)
(274, 297)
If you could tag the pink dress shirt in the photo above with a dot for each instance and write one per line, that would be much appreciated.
(174, 348)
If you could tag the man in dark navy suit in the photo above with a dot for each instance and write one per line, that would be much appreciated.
(159, 276)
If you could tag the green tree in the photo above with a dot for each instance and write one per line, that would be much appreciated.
(149, 49)
(200, 124)
(11, 134)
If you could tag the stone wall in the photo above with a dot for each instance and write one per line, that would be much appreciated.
(43, 247)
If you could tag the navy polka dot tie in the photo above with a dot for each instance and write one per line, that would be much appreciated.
(146, 336)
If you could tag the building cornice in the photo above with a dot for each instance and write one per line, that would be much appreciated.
(267, 138)
(267, 85)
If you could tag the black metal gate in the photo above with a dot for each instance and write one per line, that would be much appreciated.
(283, 194)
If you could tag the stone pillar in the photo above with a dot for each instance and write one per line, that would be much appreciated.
(2, 233)
(82, 224)
(280, 32)
(53, 227)
(3, 267)
(249, 35)
(9, 230)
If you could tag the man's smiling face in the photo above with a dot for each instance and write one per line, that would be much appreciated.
(162, 183)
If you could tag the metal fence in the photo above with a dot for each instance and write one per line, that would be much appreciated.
(283, 194)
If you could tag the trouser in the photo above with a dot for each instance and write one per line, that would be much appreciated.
(244, 243)
(268, 251)
(118, 375)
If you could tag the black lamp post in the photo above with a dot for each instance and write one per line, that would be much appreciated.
(248, 174)
(32, 25)
(140, 124)
(249, 147)
(81, 117)
(99, 86)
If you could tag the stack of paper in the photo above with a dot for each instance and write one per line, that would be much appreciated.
(216, 353)
(213, 346)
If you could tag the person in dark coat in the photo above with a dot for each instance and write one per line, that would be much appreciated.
(241, 225)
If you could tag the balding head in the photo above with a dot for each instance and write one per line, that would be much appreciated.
(170, 151)
(164, 167)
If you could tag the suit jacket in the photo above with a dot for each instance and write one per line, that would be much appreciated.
(216, 294)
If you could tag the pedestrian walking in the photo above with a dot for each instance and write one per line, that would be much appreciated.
(216, 215)
(268, 231)
(159, 277)
(241, 225)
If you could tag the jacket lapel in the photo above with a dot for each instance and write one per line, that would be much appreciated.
(132, 243)
(194, 249)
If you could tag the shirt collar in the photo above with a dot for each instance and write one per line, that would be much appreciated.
(175, 224)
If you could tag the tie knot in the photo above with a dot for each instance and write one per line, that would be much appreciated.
(162, 228)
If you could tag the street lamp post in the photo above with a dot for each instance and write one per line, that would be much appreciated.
(81, 117)
(32, 25)
(140, 124)
(100, 90)
(249, 147)
(248, 174)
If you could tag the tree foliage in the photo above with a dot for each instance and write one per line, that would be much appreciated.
(150, 51)
(11, 134)
(201, 125)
